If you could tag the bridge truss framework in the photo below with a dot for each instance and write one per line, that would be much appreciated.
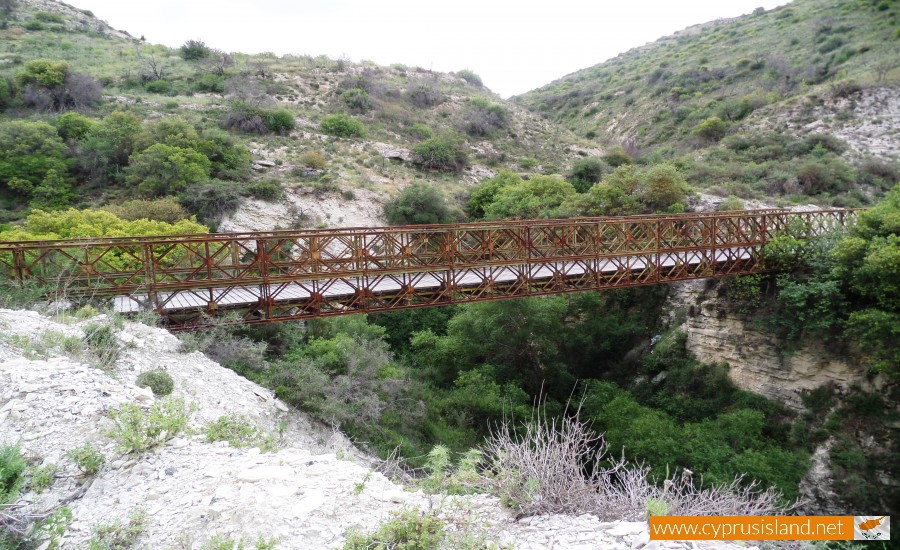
(289, 275)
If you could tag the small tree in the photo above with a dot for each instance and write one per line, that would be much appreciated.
(711, 129)
(163, 169)
(54, 192)
(193, 50)
(470, 77)
(51, 86)
(342, 125)
(357, 99)
(586, 172)
(444, 153)
(419, 203)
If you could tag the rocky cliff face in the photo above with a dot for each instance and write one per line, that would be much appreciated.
(716, 333)
(307, 493)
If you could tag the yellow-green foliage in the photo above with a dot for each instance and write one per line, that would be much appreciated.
(72, 223)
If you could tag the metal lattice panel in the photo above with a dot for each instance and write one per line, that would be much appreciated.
(283, 275)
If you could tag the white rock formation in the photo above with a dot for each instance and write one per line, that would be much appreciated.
(308, 494)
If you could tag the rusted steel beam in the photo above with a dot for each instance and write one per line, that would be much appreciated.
(285, 275)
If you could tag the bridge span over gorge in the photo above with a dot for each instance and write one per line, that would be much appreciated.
(289, 275)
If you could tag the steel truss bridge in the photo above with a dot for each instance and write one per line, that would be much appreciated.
(289, 275)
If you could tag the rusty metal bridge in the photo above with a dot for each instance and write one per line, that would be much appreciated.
(287, 275)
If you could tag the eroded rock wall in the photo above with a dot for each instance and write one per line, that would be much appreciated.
(759, 360)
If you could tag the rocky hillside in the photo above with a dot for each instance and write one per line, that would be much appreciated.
(391, 110)
(301, 484)
(743, 70)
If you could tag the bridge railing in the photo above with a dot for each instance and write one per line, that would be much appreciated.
(149, 269)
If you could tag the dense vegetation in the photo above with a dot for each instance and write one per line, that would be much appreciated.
(105, 135)
(714, 99)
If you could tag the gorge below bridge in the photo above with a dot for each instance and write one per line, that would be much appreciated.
(289, 275)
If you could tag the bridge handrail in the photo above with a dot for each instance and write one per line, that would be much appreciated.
(349, 231)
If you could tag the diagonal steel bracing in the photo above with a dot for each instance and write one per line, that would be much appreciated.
(286, 275)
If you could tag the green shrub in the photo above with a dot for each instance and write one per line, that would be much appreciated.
(408, 529)
(418, 203)
(163, 209)
(617, 156)
(192, 50)
(586, 172)
(162, 170)
(211, 83)
(87, 458)
(420, 131)
(313, 159)
(538, 197)
(711, 129)
(212, 200)
(357, 99)
(12, 466)
(119, 536)
(158, 380)
(470, 77)
(101, 341)
(342, 125)
(482, 118)
(443, 153)
(41, 477)
(137, 430)
(158, 87)
(49, 17)
(239, 431)
(279, 121)
(74, 126)
(265, 190)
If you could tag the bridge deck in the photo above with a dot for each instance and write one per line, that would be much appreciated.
(284, 275)
(293, 292)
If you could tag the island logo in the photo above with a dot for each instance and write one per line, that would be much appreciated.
(872, 527)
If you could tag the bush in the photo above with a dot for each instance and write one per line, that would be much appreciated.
(279, 121)
(73, 224)
(586, 172)
(28, 152)
(617, 156)
(158, 87)
(538, 197)
(342, 125)
(357, 99)
(420, 131)
(137, 430)
(470, 77)
(313, 159)
(12, 466)
(72, 126)
(407, 530)
(158, 380)
(162, 169)
(481, 118)
(238, 431)
(212, 200)
(88, 459)
(101, 341)
(116, 536)
(424, 93)
(211, 83)
(824, 175)
(265, 190)
(163, 209)
(443, 153)
(711, 129)
(418, 203)
(192, 50)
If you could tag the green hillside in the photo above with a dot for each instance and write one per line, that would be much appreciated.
(745, 92)
(321, 127)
